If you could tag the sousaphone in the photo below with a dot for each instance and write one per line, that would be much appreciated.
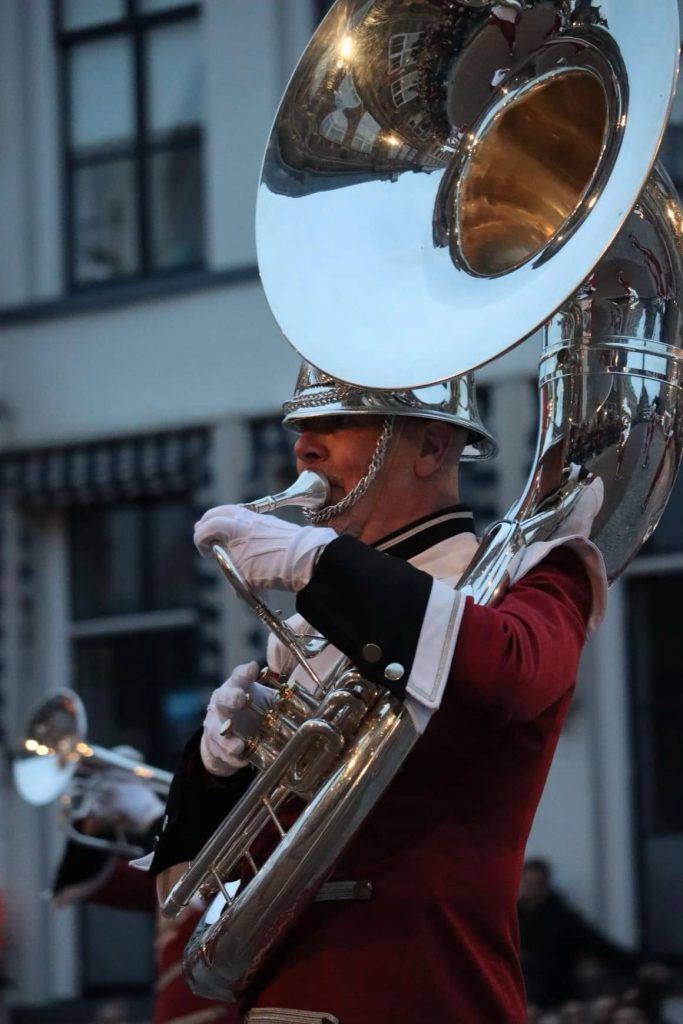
(443, 178)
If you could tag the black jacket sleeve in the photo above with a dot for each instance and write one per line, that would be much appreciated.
(370, 605)
(197, 804)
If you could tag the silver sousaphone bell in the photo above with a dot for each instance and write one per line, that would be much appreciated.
(449, 173)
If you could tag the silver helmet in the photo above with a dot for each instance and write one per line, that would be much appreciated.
(454, 401)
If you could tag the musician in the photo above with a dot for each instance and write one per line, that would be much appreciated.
(440, 857)
(101, 874)
(108, 878)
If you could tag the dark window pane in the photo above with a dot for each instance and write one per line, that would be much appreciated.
(105, 221)
(85, 13)
(669, 534)
(479, 480)
(102, 95)
(171, 555)
(658, 706)
(174, 78)
(140, 689)
(667, 768)
(654, 603)
(662, 931)
(271, 467)
(132, 557)
(322, 7)
(106, 560)
(182, 710)
(176, 207)
(152, 6)
(671, 154)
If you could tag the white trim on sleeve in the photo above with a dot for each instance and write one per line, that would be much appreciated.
(434, 653)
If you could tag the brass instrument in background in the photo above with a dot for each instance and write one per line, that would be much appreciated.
(55, 761)
(451, 176)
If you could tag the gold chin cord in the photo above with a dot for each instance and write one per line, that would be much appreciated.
(55, 761)
(453, 176)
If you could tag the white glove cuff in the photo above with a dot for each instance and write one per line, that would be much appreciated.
(306, 551)
(228, 763)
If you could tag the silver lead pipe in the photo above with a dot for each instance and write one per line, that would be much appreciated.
(310, 490)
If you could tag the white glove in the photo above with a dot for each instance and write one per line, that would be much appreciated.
(268, 551)
(239, 700)
(126, 802)
(584, 510)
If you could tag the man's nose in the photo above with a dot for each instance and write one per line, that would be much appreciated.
(310, 447)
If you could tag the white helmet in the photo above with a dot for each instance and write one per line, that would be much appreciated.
(454, 401)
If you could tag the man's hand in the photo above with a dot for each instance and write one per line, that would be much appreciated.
(268, 551)
(233, 715)
(124, 801)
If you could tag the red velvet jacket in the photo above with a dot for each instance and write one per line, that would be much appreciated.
(444, 848)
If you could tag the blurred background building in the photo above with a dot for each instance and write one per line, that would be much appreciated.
(141, 376)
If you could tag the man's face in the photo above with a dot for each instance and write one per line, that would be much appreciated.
(534, 888)
(339, 447)
(408, 485)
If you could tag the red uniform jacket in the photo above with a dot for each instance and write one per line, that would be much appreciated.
(443, 849)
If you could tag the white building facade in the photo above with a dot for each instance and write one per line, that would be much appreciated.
(141, 379)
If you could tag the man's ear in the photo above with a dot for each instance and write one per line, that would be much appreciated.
(436, 446)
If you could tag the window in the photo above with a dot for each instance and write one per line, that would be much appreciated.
(419, 125)
(404, 89)
(654, 587)
(658, 700)
(134, 651)
(402, 49)
(366, 134)
(668, 537)
(132, 88)
(480, 480)
(134, 624)
(334, 126)
(671, 154)
(657, 714)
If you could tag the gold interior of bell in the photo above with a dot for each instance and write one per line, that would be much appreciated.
(530, 170)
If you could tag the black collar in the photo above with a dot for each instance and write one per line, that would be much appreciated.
(424, 533)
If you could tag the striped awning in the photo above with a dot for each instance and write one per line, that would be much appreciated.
(163, 463)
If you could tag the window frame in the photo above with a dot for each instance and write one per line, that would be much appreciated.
(405, 89)
(652, 831)
(134, 25)
(114, 627)
(401, 50)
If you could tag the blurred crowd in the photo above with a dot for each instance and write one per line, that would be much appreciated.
(573, 973)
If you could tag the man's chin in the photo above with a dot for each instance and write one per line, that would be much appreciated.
(345, 522)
